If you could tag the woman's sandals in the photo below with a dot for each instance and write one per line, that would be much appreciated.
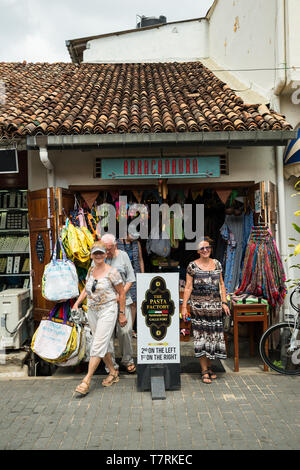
(83, 388)
(110, 379)
(212, 375)
(207, 375)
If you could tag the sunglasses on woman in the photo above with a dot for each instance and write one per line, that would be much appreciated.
(205, 248)
(93, 288)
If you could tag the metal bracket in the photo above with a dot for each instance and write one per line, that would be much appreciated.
(158, 390)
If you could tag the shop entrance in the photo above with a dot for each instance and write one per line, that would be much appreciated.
(237, 202)
(48, 209)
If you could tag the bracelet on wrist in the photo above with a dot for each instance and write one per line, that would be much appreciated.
(121, 311)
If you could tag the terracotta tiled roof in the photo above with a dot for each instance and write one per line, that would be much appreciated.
(65, 98)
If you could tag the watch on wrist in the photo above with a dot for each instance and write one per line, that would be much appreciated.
(225, 303)
(121, 311)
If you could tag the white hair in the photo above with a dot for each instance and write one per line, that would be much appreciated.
(108, 237)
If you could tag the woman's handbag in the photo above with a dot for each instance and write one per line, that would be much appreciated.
(55, 339)
(226, 323)
(60, 279)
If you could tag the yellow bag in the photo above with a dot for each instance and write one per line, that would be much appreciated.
(88, 236)
(71, 347)
(44, 341)
(77, 243)
(73, 241)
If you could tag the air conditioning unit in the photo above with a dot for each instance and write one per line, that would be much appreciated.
(14, 304)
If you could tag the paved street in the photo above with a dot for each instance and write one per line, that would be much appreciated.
(238, 411)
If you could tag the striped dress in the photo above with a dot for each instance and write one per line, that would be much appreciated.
(206, 312)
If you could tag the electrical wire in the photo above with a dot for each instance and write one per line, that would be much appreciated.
(255, 70)
(19, 324)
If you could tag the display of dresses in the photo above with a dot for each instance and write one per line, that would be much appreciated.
(235, 231)
(263, 274)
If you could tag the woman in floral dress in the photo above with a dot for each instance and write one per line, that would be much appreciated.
(205, 287)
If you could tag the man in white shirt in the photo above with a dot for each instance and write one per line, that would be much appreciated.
(120, 260)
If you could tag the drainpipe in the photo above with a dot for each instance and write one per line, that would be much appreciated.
(48, 165)
(280, 84)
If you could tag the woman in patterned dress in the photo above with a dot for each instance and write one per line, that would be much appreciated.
(205, 287)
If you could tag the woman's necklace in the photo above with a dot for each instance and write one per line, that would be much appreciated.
(99, 271)
(205, 266)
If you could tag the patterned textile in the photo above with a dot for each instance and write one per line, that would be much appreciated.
(230, 256)
(248, 223)
(263, 274)
(233, 231)
(206, 312)
(104, 289)
(132, 250)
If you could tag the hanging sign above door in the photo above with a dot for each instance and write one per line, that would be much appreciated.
(179, 167)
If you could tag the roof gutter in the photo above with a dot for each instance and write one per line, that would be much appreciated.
(214, 139)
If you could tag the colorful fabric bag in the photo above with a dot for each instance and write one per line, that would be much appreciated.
(79, 352)
(77, 242)
(55, 339)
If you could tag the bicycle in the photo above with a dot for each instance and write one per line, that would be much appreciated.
(279, 345)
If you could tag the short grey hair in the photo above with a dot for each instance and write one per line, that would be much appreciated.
(108, 237)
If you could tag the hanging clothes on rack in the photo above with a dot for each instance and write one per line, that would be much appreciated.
(232, 231)
(263, 274)
(248, 224)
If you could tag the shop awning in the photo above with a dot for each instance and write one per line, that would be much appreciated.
(292, 157)
(202, 139)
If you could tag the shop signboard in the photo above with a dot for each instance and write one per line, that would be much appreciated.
(158, 318)
(179, 167)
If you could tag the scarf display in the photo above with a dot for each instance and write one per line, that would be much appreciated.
(263, 274)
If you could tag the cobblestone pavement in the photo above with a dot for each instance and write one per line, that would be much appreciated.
(257, 411)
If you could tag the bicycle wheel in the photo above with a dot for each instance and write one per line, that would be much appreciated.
(279, 348)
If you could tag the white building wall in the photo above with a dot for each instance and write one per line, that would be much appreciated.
(75, 168)
(250, 35)
(291, 110)
(177, 42)
(242, 36)
(237, 36)
(293, 40)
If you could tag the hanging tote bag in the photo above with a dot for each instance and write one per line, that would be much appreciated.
(160, 247)
(78, 317)
(77, 242)
(55, 339)
(60, 279)
(79, 353)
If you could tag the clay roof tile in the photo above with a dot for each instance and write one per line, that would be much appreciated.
(127, 98)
